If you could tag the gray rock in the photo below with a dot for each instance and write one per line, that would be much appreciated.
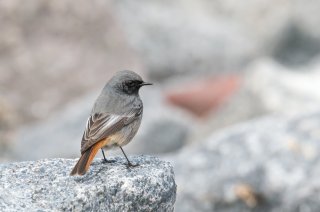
(58, 136)
(7, 123)
(45, 185)
(289, 33)
(163, 136)
(55, 52)
(164, 128)
(270, 164)
(267, 87)
(192, 37)
(243, 106)
(275, 85)
(296, 46)
(183, 37)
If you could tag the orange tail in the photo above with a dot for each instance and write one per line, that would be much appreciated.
(85, 160)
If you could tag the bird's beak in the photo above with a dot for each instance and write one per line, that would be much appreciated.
(145, 83)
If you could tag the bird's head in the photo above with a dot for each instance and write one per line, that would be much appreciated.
(127, 82)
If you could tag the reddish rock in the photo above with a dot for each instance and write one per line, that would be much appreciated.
(203, 96)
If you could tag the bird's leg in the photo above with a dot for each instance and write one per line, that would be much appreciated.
(129, 163)
(104, 158)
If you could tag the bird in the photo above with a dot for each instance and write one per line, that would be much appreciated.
(114, 119)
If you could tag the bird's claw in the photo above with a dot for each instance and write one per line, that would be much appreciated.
(130, 165)
(108, 161)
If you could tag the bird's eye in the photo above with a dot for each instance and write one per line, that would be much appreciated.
(130, 83)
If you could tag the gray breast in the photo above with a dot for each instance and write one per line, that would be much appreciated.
(130, 131)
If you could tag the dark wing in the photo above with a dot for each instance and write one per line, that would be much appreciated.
(101, 125)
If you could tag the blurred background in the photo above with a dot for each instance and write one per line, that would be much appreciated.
(235, 100)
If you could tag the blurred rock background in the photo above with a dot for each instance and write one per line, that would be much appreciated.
(230, 81)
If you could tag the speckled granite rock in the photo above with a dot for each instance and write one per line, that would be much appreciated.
(45, 185)
(269, 164)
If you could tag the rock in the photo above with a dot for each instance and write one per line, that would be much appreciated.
(200, 97)
(163, 129)
(267, 87)
(7, 132)
(59, 136)
(54, 52)
(244, 105)
(184, 37)
(294, 38)
(269, 164)
(275, 86)
(296, 46)
(194, 37)
(45, 185)
(163, 136)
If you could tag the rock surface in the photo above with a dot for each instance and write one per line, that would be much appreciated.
(46, 185)
(270, 164)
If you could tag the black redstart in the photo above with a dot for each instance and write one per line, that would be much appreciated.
(114, 119)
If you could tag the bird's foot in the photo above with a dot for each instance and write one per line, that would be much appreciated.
(108, 161)
(131, 165)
